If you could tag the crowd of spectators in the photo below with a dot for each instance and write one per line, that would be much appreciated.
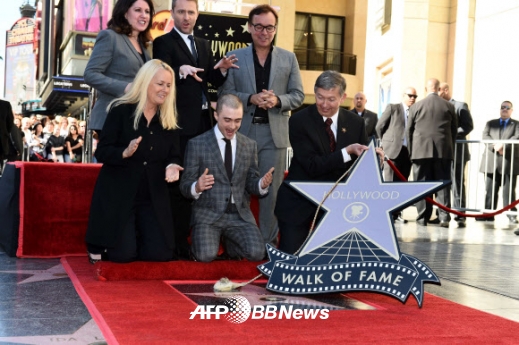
(40, 138)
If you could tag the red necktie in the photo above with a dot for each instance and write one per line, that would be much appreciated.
(328, 123)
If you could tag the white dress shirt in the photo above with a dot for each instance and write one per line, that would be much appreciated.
(406, 114)
(221, 146)
(335, 118)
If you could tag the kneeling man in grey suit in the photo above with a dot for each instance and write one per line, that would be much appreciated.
(220, 173)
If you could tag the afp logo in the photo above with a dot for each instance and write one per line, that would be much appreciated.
(237, 309)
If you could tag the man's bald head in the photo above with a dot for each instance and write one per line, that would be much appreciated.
(360, 101)
(433, 85)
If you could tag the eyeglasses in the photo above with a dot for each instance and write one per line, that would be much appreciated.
(411, 96)
(259, 28)
(503, 107)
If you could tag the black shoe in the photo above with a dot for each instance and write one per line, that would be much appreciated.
(513, 220)
(421, 222)
(444, 224)
(400, 220)
(461, 223)
(434, 221)
(516, 232)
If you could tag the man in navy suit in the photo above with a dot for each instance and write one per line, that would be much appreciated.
(221, 171)
(326, 140)
(462, 153)
(191, 59)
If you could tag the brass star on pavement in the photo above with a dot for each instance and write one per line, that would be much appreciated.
(55, 272)
(89, 333)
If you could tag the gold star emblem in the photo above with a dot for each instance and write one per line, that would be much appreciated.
(230, 32)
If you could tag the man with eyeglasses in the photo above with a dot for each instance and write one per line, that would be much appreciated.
(432, 127)
(269, 85)
(462, 153)
(391, 130)
(506, 158)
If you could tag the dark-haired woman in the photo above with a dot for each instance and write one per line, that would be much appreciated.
(118, 54)
(74, 143)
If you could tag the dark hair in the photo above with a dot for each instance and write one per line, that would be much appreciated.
(119, 23)
(174, 3)
(230, 101)
(260, 9)
(69, 135)
(330, 80)
(508, 103)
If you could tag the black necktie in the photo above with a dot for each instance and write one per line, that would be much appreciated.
(329, 131)
(193, 49)
(195, 55)
(228, 157)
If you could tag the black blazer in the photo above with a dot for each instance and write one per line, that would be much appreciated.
(371, 119)
(312, 159)
(119, 178)
(172, 49)
(6, 123)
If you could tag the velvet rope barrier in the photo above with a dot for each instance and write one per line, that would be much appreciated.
(445, 208)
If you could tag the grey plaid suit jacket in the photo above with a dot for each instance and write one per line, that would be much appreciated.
(203, 152)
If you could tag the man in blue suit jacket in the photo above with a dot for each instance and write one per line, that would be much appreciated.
(220, 182)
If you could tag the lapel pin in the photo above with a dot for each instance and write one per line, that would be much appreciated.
(343, 130)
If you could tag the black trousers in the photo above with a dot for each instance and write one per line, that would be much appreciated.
(142, 238)
(458, 185)
(403, 164)
(493, 181)
(433, 169)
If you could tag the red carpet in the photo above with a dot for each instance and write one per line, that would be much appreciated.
(151, 312)
(176, 270)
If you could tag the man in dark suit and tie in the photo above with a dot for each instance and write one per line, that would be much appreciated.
(326, 140)
(220, 173)
(269, 85)
(369, 117)
(431, 133)
(506, 158)
(462, 153)
(391, 129)
(6, 123)
(192, 60)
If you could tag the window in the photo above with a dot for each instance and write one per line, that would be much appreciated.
(319, 41)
